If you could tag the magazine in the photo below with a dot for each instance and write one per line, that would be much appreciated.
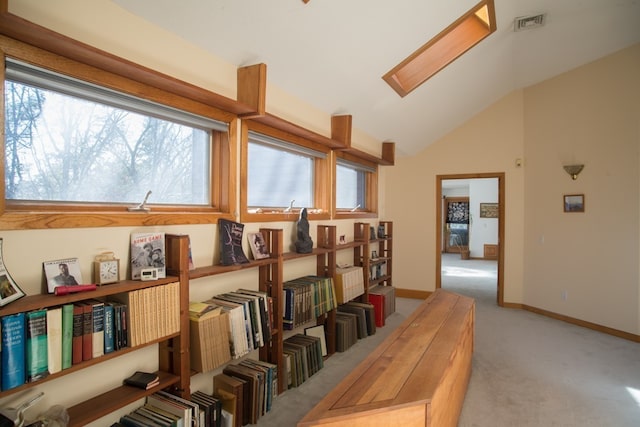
(148, 251)
(9, 290)
(258, 246)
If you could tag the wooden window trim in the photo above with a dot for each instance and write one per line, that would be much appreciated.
(18, 215)
(322, 189)
(371, 196)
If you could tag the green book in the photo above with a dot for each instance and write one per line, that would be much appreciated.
(67, 335)
(37, 355)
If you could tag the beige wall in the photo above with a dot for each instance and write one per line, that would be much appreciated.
(590, 115)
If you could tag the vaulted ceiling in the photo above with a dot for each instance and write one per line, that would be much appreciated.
(332, 54)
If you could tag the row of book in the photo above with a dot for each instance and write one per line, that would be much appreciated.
(250, 314)
(38, 343)
(349, 283)
(377, 271)
(306, 298)
(165, 409)
(354, 321)
(154, 312)
(303, 358)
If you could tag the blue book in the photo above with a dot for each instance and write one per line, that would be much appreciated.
(14, 338)
(109, 329)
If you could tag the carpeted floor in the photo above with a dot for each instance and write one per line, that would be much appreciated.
(528, 370)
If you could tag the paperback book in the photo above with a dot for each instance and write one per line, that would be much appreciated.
(62, 272)
(9, 290)
(231, 251)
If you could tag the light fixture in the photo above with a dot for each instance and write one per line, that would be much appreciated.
(573, 170)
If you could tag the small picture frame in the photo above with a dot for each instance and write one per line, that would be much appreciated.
(342, 240)
(489, 210)
(573, 202)
(9, 289)
(62, 272)
(258, 246)
(374, 255)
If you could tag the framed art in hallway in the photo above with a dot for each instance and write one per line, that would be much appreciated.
(573, 203)
(489, 210)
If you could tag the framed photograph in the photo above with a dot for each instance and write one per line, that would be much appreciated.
(258, 245)
(488, 210)
(9, 290)
(318, 331)
(62, 272)
(573, 203)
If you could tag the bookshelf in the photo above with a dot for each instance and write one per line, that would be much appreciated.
(173, 350)
(382, 243)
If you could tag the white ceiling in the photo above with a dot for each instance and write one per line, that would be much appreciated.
(332, 54)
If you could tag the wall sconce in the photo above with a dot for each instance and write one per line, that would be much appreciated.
(573, 170)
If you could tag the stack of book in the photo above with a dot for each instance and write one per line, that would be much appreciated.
(389, 294)
(365, 317)
(306, 298)
(349, 283)
(250, 315)
(209, 332)
(254, 382)
(304, 354)
(346, 330)
(152, 313)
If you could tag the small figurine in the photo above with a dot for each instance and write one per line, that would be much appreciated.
(304, 244)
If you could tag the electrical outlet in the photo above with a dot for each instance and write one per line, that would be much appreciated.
(564, 295)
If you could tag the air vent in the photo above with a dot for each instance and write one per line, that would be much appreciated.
(529, 22)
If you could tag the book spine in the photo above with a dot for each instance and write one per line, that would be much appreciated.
(109, 329)
(76, 340)
(67, 336)
(37, 354)
(54, 339)
(87, 331)
(97, 341)
(13, 351)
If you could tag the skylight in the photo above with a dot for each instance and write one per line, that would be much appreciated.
(443, 49)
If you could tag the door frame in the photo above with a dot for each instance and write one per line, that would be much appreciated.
(501, 221)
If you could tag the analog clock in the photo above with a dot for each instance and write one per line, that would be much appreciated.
(107, 271)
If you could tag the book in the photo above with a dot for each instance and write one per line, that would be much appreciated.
(143, 380)
(258, 246)
(37, 355)
(109, 329)
(97, 319)
(67, 336)
(54, 339)
(182, 412)
(148, 251)
(9, 290)
(87, 331)
(77, 331)
(14, 336)
(230, 235)
(234, 387)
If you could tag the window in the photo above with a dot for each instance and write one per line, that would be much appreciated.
(68, 141)
(74, 146)
(282, 176)
(467, 31)
(356, 186)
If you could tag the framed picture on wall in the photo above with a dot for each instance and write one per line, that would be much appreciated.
(573, 203)
(488, 210)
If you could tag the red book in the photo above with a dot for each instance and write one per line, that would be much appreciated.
(378, 308)
(87, 331)
(76, 340)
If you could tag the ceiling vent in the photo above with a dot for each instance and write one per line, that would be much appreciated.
(529, 22)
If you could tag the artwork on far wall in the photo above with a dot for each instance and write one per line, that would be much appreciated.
(488, 210)
(573, 203)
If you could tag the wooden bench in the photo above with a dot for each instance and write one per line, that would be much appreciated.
(417, 376)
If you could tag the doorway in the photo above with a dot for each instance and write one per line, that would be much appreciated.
(441, 232)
